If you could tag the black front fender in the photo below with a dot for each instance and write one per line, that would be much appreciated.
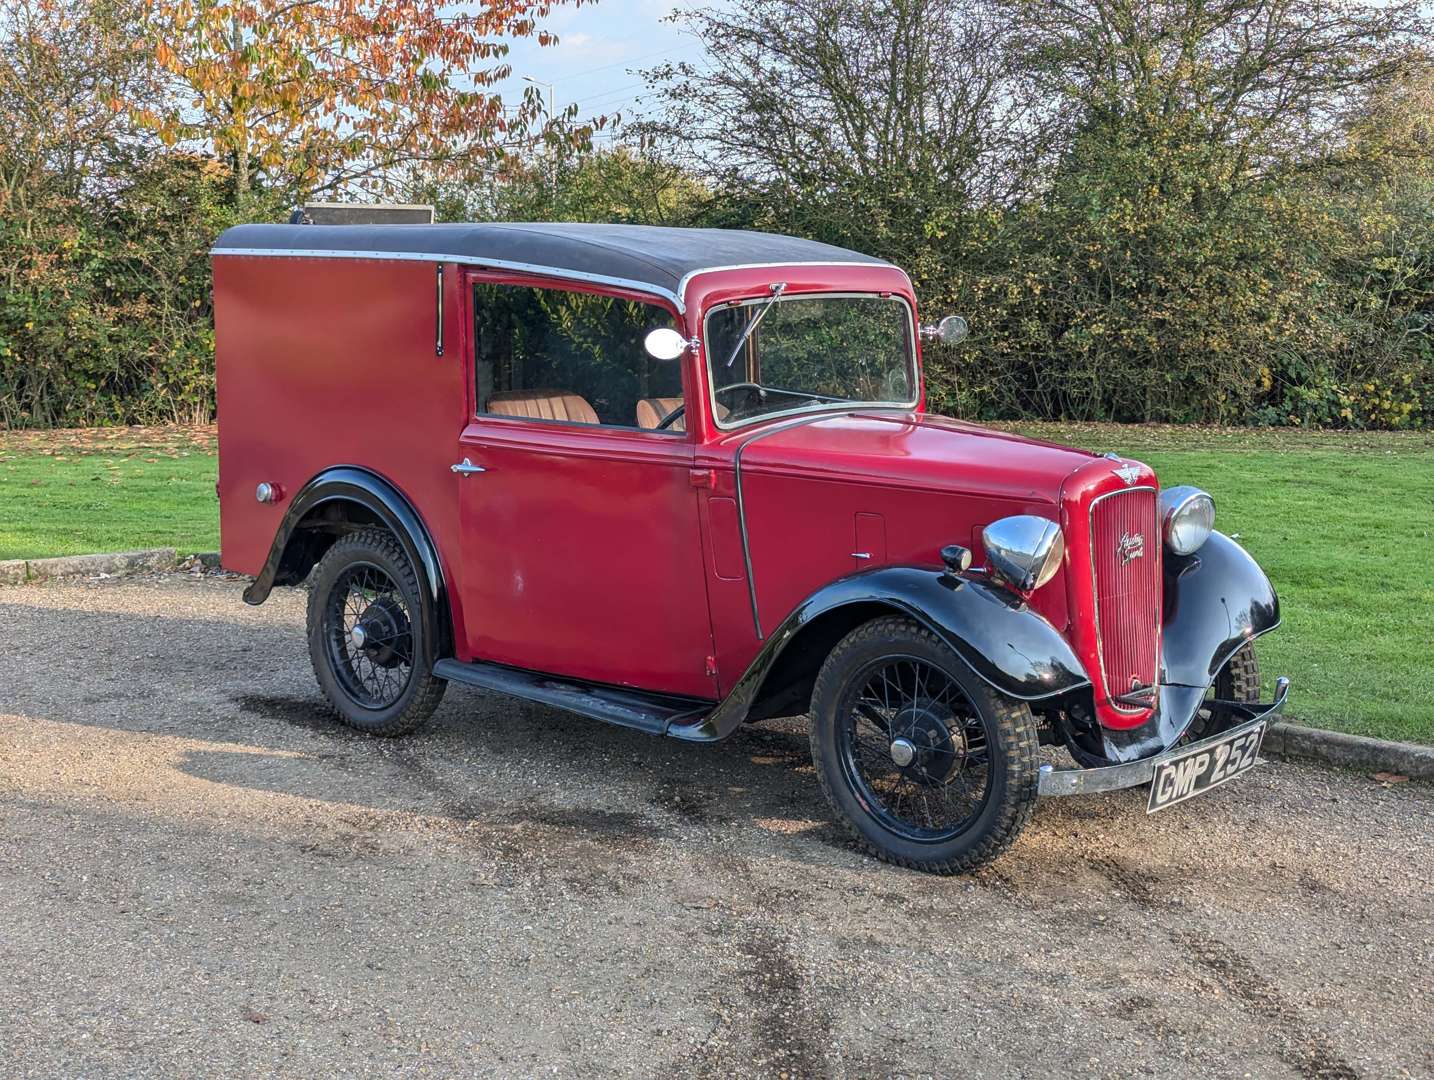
(349, 483)
(994, 633)
(1216, 601)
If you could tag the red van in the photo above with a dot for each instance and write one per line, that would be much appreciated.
(680, 480)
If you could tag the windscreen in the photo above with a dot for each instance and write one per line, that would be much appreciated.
(807, 352)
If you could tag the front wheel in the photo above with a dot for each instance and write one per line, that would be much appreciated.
(928, 766)
(367, 636)
(1238, 681)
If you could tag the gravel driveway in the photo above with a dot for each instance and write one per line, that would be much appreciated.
(200, 875)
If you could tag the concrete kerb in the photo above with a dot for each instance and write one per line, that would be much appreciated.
(1300, 743)
(20, 571)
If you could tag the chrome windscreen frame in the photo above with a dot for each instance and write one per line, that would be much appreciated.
(913, 369)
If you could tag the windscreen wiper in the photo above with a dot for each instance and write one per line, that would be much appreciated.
(777, 287)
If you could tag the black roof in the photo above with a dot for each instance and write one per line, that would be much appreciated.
(654, 258)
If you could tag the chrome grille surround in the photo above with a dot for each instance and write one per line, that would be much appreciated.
(1127, 638)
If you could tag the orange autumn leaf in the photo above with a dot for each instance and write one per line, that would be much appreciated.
(316, 95)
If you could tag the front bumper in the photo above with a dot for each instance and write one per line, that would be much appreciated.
(1055, 781)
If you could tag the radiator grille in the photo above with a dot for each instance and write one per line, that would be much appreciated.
(1125, 561)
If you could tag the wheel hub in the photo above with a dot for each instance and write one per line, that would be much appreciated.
(902, 752)
(382, 633)
(930, 743)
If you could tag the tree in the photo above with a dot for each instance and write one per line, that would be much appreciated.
(316, 95)
(1192, 276)
(622, 185)
(61, 66)
(1264, 86)
(1124, 196)
(876, 122)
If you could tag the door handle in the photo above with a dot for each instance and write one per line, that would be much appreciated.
(466, 467)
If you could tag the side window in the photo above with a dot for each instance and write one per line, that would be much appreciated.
(549, 354)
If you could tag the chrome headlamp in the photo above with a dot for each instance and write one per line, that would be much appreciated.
(1187, 517)
(1025, 550)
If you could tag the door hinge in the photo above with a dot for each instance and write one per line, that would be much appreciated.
(702, 478)
(712, 667)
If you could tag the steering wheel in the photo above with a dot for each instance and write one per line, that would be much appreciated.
(681, 410)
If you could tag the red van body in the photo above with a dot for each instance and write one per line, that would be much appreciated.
(600, 567)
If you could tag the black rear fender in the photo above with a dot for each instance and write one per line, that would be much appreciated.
(340, 500)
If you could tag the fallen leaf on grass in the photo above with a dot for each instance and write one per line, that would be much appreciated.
(1390, 778)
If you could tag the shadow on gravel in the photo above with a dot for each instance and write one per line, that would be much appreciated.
(309, 714)
(761, 773)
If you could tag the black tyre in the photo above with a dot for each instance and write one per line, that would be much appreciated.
(367, 638)
(1239, 680)
(927, 766)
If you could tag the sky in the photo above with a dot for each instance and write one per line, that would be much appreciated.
(600, 45)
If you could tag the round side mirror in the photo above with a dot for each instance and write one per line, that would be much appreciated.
(948, 331)
(664, 343)
(952, 329)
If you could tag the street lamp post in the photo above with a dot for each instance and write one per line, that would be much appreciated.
(539, 82)
(553, 167)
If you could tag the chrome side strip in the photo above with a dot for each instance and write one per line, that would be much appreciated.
(1055, 781)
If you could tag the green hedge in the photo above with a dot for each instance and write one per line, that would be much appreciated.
(1288, 304)
(106, 316)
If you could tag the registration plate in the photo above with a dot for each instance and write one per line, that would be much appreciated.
(1203, 767)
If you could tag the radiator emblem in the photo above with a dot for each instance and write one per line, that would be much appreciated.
(1130, 547)
(1129, 473)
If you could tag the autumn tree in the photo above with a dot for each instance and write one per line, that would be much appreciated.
(318, 95)
(62, 65)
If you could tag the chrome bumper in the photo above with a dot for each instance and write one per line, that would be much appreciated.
(1132, 774)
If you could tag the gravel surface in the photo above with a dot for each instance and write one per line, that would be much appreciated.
(201, 875)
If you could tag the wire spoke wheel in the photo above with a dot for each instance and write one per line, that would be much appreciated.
(371, 636)
(368, 633)
(914, 748)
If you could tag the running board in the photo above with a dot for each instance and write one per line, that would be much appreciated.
(652, 713)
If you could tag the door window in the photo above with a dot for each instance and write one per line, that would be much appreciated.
(572, 357)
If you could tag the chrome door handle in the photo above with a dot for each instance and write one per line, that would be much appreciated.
(465, 467)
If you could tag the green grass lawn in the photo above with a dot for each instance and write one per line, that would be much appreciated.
(1343, 524)
(67, 499)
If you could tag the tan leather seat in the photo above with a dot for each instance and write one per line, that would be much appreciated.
(651, 410)
(543, 405)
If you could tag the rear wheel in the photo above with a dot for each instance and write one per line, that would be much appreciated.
(926, 765)
(367, 638)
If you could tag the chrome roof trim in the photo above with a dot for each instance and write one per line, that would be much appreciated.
(679, 298)
(466, 260)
